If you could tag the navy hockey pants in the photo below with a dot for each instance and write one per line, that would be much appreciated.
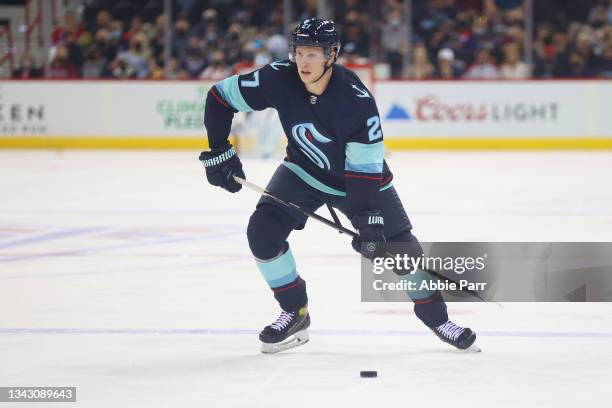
(272, 222)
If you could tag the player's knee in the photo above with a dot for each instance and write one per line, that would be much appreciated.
(410, 244)
(267, 232)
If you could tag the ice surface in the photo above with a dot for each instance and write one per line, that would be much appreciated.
(126, 275)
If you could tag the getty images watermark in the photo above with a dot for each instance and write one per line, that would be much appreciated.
(490, 271)
(420, 267)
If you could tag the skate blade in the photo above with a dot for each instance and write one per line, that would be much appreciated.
(473, 349)
(297, 339)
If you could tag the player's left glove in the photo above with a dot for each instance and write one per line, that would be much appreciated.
(370, 225)
(221, 165)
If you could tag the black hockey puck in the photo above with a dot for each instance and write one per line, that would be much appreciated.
(368, 374)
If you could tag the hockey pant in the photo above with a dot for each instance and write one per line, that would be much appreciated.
(271, 224)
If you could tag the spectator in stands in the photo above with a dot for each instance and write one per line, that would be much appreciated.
(256, 51)
(212, 35)
(504, 5)
(94, 62)
(447, 66)
(276, 43)
(233, 43)
(104, 42)
(218, 69)
(606, 68)
(574, 53)
(543, 41)
(395, 42)
(118, 69)
(461, 54)
(572, 39)
(103, 20)
(193, 60)
(421, 68)
(577, 66)
(135, 28)
(180, 39)
(355, 40)
(27, 68)
(158, 40)
(255, 13)
(512, 67)
(442, 36)
(70, 25)
(75, 53)
(208, 28)
(174, 70)
(155, 71)
(116, 33)
(546, 64)
(309, 11)
(600, 15)
(584, 48)
(483, 66)
(343, 7)
(549, 51)
(562, 44)
(60, 66)
(429, 14)
(137, 56)
(480, 34)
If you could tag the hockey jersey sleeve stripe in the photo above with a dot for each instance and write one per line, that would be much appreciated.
(230, 92)
(364, 167)
(217, 97)
(358, 176)
(364, 158)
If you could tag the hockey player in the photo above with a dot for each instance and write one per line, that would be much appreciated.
(334, 157)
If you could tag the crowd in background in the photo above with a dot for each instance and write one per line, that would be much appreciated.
(450, 39)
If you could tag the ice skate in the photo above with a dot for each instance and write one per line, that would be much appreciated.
(288, 331)
(457, 336)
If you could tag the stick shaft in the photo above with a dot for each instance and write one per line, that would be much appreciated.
(317, 217)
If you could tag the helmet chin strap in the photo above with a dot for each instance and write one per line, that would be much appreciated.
(324, 71)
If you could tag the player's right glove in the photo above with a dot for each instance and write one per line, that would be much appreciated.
(221, 165)
(371, 229)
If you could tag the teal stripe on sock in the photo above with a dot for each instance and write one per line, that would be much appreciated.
(418, 277)
(280, 270)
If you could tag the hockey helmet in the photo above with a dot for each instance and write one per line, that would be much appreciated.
(315, 32)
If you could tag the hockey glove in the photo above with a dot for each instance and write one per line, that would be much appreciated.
(370, 225)
(221, 165)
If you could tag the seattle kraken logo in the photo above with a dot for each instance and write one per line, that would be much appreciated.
(303, 134)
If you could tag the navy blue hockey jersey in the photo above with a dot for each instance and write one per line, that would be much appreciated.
(335, 140)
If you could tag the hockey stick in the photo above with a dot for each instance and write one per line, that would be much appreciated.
(317, 217)
(338, 227)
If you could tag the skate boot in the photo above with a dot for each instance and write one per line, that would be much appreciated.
(288, 331)
(460, 337)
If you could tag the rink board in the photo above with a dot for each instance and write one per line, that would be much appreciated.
(469, 115)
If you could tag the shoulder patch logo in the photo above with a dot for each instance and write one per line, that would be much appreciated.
(304, 134)
(361, 93)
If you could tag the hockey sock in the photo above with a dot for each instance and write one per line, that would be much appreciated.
(281, 275)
